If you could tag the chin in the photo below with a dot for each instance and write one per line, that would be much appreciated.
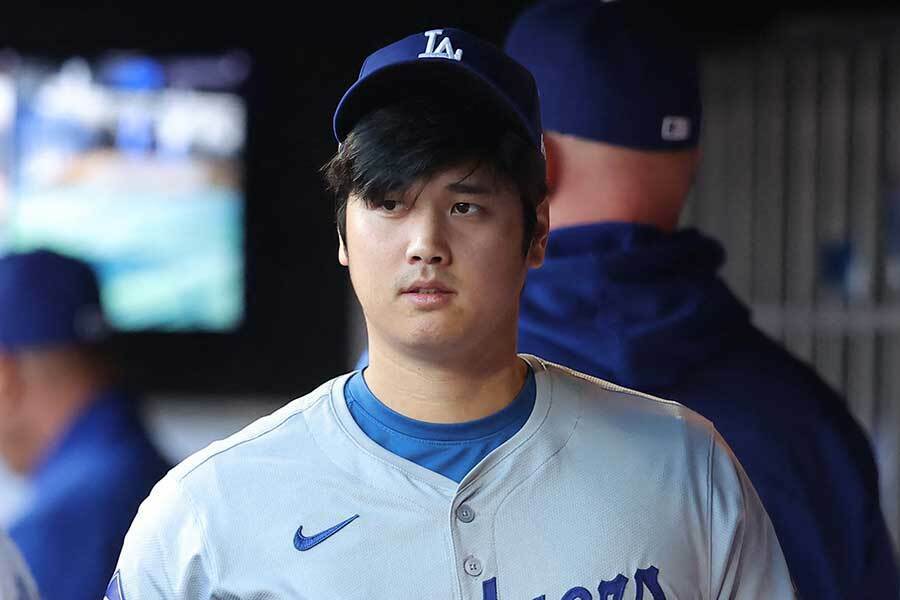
(431, 344)
(433, 341)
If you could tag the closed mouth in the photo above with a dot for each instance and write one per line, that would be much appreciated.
(430, 287)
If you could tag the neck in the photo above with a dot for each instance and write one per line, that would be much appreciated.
(444, 391)
(597, 182)
(607, 205)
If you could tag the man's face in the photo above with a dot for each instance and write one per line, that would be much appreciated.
(12, 404)
(438, 270)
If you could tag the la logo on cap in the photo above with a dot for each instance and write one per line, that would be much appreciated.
(676, 129)
(444, 48)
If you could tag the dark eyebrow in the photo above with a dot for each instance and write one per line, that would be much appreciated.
(461, 187)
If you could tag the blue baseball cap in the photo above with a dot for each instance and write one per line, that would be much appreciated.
(48, 299)
(443, 60)
(615, 71)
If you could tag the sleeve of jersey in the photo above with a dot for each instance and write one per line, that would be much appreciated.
(746, 561)
(164, 556)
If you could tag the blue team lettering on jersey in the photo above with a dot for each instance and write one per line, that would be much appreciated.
(644, 579)
(114, 589)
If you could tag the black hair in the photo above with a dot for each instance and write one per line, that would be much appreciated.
(415, 138)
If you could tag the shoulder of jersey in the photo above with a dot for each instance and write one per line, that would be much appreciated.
(257, 432)
(606, 400)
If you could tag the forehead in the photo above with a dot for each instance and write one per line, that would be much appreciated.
(471, 174)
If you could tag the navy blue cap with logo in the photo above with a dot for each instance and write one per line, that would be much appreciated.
(620, 72)
(449, 60)
(48, 299)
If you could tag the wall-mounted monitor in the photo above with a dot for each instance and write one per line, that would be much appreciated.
(135, 163)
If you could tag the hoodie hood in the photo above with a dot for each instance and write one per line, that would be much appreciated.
(630, 303)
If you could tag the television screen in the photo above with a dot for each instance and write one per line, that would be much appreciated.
(134, 163)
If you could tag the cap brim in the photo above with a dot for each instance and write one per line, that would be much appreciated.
(438, 77)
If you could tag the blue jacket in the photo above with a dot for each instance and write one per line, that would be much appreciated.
(647, 310)
(86, 492)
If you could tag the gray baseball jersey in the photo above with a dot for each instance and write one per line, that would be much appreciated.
(604, 493)
(16, 582)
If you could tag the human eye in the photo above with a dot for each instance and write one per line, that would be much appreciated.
(465, 208)
(390, 206)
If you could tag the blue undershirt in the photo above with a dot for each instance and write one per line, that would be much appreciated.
(451, 449)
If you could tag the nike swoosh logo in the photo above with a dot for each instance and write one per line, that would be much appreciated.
(303, 543)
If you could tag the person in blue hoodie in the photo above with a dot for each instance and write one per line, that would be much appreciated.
(67, 425)
(627, 296)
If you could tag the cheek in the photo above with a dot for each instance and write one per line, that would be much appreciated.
(359, 246)
(369, 258)
(9, 413)
(363, 275)
(499, 267)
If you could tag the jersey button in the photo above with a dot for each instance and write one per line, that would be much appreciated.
(465, 513)
(472, 566)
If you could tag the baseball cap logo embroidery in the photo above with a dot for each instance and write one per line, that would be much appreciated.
(676, 129)
(444, 48)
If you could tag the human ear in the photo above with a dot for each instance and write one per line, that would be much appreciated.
(538, 247)
(342, 251)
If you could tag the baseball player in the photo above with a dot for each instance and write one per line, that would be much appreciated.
(451, 467)
(16, 582)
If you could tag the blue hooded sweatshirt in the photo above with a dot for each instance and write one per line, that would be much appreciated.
(647, 310)
(86, 493)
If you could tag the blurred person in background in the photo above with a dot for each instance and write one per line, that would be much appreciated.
(16, 582)
(67, 426)
(626, 295)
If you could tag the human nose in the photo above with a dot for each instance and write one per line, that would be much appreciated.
(428, 241)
